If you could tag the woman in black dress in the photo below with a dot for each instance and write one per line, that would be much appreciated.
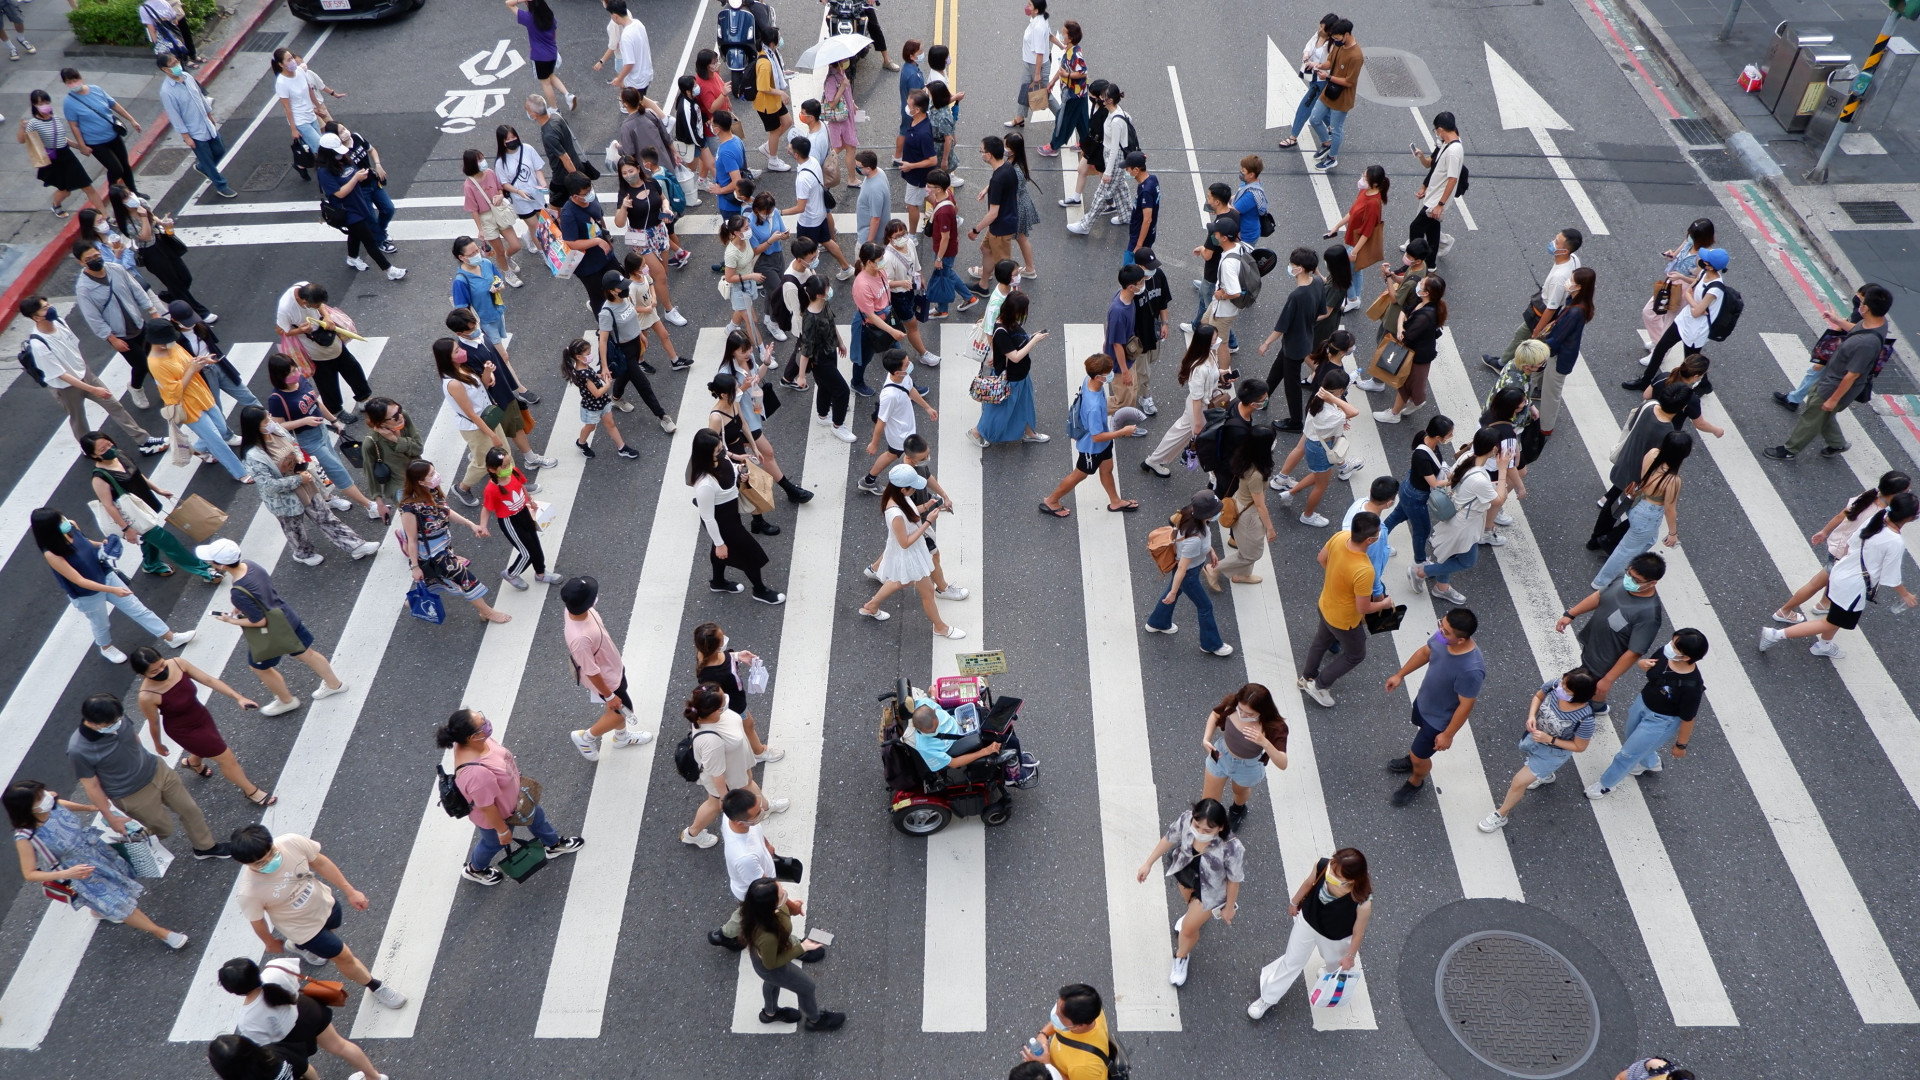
(713, 475)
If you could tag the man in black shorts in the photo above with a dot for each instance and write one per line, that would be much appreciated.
(1456, 671)
(1094, 443)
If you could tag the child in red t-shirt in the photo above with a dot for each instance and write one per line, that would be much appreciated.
(944, 286)
(504, 496)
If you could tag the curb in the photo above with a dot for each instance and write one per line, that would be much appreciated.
(42, 265)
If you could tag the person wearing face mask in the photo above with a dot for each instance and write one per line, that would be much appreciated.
(297, 99)
(556, 138)
(1546, 305)
(1656, 497)
(115, 770)
(522, 172)
(1244, 734)
(116, 478)
(504, 390)
(907, 290)
(1663, 713)
(253, 596)
(392, 444)
(1695, 309)
(98, 124)
(1193, 555)
(288, 880)
(1872, 563)
(1838, 328)
(1330, 912)
(276, 1017)
(297, 410)
(505, 498)
(92, 583)
(1419, 330)
(487, 774)
(64, 855)
(484, 198)
(583, 227)
(1456, 541)
(599, 668)
(359, 153)
(1559, 725)
(1836, 536)
(50, 152)
(170, 699)
(477, 286)
(1074, 1045)
(749, 857)
(1207, 862)
(1626, 617)
(426, 519)
(56, 352)
(641, 210)
(185, 104)
(717, 663)
(1456, 673)
(187, 397)
(348, 191)
(116, 306)
(1362, 225)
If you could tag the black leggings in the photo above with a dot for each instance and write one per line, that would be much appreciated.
(112, 156)
(1285, 374)
(523, 536)
(1667, 341)
(627, 371)
(360, 236)
(173, 275)
(136, 358)
(830, 393)
(873, 31)
(328, 373)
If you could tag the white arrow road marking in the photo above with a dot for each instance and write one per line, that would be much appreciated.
(1284, 90)
(1521, 106)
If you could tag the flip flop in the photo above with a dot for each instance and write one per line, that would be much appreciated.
(1051, 512)
(1127, 507)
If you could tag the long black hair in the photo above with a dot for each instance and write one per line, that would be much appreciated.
(1438, 427)
(1485, 441)
(241, 976)
(1673, 450)
(1339, 270)
(1335, 378)
(22, 800)
(1016, 147)
(1199, 351)
(1254, 452)
(1892, 482)
(45, 525)
(760, 910)
(253, 428)
(701, 460)
(1900, 510)
(542, 14)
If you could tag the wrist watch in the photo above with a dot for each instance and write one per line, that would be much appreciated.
(1680, 746)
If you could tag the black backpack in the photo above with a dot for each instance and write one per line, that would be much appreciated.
(684, 762)
(452, 799)
(1133, 138)
(29, 363)
(1731, 305)
(1206, 445)
(1460, 188)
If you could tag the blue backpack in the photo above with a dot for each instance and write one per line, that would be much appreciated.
(1076, 427)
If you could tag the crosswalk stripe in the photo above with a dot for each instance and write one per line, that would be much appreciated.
(432, 876)
(308, 773)
(1283, 99)
(1853, 937)
(574, 1003)
(68, 643)
(954, 967)
(796, 720)
(57, 454)
(1696, 997)
(1137, 914)
(1862, 456)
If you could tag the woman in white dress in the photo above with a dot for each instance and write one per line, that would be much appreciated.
(906, 560)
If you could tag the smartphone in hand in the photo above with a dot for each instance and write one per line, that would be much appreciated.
(824, 937)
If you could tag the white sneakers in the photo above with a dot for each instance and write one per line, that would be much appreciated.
(1372, 385)
(773, 328)
(1828, 649)
(276, 707)
(395, 273)
(358, 265)
(1542, 781)
(1503, 518)
(324, 691)
(1081, 227)
(386, 995)
(1448, 593)
(1257, 1008)
(632, 736)
(1178, 976)
(314, 559)
(667, 425)
(933, 360)
(1172, 628)
(702, 839)
(1492, 539)
(951, 592)
(845, 434)
(1769, 637)
(584, 742)
(1386, 416)
(1317, 521)
(771, 753)
(339, 503)
(1493, 822)
(1312, 688)
(366, 549)
(673, 316)
(775, 164)
(1596, 792)
(176, 940)
(180, 638)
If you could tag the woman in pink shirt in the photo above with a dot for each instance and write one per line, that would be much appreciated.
(493, 216)
(874, 334)
(486, 773)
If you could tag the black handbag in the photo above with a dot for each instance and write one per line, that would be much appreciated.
(350, 449)
(1386, 620)
(769, 402)
(787, 868)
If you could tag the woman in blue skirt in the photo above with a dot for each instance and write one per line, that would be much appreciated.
(1013, 348)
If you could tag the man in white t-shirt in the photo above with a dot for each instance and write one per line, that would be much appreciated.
(809, 207)
(1036, 47)
(749, 857)
(1553, 295)
(1699, 305)
(895, 421)
(1445, 165)
(636, 52)
(1221, 313)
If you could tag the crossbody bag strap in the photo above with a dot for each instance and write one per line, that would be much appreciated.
(1105, 1058)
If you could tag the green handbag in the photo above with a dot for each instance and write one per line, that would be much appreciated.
(493, 416)
(276, 639)
(525, 860)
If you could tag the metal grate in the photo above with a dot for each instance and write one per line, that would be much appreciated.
(1393, 78)
(164, 160)
(1722, 166)
(1876, 213)
(265, 177)
(263, 41)
(1696, 132)
(1518, 1005)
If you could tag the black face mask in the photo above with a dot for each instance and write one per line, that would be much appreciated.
(96, 264)
(109, 454)
(515, 145)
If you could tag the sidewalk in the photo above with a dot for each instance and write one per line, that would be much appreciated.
(26, 226)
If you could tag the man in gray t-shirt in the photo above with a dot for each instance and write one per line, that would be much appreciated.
(115, 769)
(1626, 618)
(1456, 672)
(875, 206)
(1841, 381)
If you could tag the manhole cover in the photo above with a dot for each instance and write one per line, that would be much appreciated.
(1695, 131)
(263, 41)
(1397, 79)
(1875, 213)
(164, 160)
(1392, 78)
(264, 177)
(1517, 1005)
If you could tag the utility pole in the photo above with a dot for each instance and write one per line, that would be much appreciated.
(1906, 9)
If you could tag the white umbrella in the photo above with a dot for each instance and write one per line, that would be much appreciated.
(832, 50)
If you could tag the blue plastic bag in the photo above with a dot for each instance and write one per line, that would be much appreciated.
(423, 603)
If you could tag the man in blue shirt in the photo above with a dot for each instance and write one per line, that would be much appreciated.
(1251, 201)
(1145, 222)
(1094, 443)
(583, 225)
(729, 163)
(919, 153)
(90, 111)
(186, 108)
(930, 722)
(1132, 366)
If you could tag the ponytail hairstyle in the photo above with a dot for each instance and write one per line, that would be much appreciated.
(1892, 482)
(1376, 178)
(1259, 700)
(142, 659)
(1485, 441)
(706, 641)
(459, 727)
(1334, 379)
(706, 700)
(241, 976)
(1199, 351)
(1900, 510)
(1352, 868)
(1438, 427)
(576, 347)
(1338, 343)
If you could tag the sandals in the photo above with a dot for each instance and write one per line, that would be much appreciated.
(1289, 143)
(1051, 512)
(1789, 617)
(262, 797)
(203, 768)
(1127, 507)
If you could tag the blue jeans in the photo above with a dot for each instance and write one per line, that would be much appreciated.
(1193, 589)
(1798, 395)
(1307, 103)
(220, 382)
(946, 287)
(1329, 126)
(313, 440)
(382, 202)
(206, 156)
(211, 433)
(1353, 290)
(1647, 732)
(309, 134)
(95, 606)
(1442, 572)
(1412, 509)
(488, 845)
(1643, 528)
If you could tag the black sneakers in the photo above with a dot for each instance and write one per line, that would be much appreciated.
(217, 851)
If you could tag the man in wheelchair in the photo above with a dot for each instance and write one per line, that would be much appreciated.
(944, 743)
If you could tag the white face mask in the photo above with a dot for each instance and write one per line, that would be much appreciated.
(46, 803)
(900, 242)
(724, 642)
(1672, 653)
(1363, 183)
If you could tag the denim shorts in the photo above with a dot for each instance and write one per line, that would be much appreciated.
(1246, 772)
(306, 641)
(1316, 454)
(327, 943)
(591, 416)
(1543, 760)
(495, 332)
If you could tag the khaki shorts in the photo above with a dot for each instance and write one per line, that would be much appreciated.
(1222, 324)
(496, 221)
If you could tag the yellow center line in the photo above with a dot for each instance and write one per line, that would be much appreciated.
(953, 44)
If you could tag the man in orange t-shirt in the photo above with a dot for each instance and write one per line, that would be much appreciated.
(1346, 597)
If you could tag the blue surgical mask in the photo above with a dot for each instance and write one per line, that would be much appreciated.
(1632, 584)
(270, 865)
(1553, 249)
(113, 727)
(66, 526)
(176, 71)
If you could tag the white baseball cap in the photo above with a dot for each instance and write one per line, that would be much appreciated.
(332, 142)
(222, 551)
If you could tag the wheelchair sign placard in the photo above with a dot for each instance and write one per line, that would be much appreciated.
(982, 663)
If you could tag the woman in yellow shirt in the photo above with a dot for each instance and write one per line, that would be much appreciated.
(185, 393)
(772, 100)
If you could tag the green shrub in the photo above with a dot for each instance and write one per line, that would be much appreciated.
(117, 22)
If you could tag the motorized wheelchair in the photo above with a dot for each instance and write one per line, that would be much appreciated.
(923, 800)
